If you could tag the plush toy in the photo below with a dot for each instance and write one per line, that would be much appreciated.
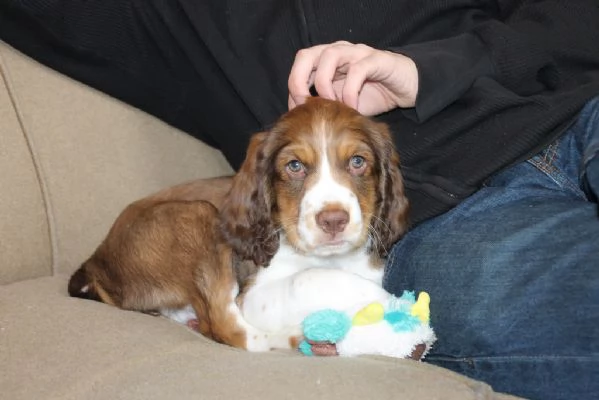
(399, 328)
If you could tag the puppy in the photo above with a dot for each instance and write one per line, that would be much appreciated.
(304, 225)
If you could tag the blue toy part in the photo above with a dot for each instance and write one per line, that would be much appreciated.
(326, 326)
(401, 321)
(306, 348)
(399, 312)
(409, 296)
(403, 303)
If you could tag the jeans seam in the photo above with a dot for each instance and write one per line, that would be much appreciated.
(591, 153)
(545, 163)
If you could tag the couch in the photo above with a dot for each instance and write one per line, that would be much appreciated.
(70, 159)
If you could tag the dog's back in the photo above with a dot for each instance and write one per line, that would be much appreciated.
(128, 230)
(166, 252)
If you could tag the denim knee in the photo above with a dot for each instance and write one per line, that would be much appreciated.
(512, 276)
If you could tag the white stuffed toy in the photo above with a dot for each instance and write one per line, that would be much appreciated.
(399, 328)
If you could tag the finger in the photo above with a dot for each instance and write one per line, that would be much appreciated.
(333, 64)
(356, 76)
(302, 73)
(333, 61)
(354, 82)
(291, 104)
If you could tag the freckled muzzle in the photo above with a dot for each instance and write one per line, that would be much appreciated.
(332, 222)
(330, 228)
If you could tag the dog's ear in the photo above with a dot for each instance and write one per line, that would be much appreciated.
(246, 219)
(391, 220)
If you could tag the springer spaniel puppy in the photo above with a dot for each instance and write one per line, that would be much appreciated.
(304, 225)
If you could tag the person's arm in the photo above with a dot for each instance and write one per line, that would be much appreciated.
(535, 46)
(370, 80)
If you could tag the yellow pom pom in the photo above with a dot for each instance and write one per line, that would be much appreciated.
(371, 314)
(421, 308)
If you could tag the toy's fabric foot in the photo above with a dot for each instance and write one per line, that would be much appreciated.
(418, 352)
(323, 349)
(328, 349)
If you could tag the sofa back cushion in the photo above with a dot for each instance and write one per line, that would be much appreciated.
(25, 250)
(85, 156)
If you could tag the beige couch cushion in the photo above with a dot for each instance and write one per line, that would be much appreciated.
(94, 155)
(56, 347)
(24, 242)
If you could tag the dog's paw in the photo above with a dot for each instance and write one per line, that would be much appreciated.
(193, 324)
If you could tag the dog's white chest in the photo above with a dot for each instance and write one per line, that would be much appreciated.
(287, 262)
(295, 285)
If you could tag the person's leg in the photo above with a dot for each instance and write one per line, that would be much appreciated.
(146, 53)
(590, 157)
(513, 274)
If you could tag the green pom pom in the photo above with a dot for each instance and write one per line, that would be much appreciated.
(326, 326)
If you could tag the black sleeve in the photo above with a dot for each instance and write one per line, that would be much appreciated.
(532, 46)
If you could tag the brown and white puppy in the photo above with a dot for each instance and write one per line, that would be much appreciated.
(314, 208)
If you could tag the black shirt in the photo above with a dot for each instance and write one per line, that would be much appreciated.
(499, 80)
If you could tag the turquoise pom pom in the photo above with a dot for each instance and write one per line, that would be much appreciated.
(399, 315)
(326, 326)
(401, 321)
(408, 295)
(306, 348)
(402, 304)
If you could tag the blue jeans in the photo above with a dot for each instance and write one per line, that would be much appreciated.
(513, 273)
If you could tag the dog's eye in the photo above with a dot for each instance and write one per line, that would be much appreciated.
(296, 169)
(357, 161)
(357, 165)
(295, 166)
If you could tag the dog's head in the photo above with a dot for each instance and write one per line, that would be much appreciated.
(325, 177)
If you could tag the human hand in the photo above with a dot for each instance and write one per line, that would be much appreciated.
(371, 81)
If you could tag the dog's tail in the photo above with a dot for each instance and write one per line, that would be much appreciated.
(81, 286)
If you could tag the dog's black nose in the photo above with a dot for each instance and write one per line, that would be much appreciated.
(332, 221)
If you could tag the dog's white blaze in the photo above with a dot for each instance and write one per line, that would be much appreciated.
(327, 191)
